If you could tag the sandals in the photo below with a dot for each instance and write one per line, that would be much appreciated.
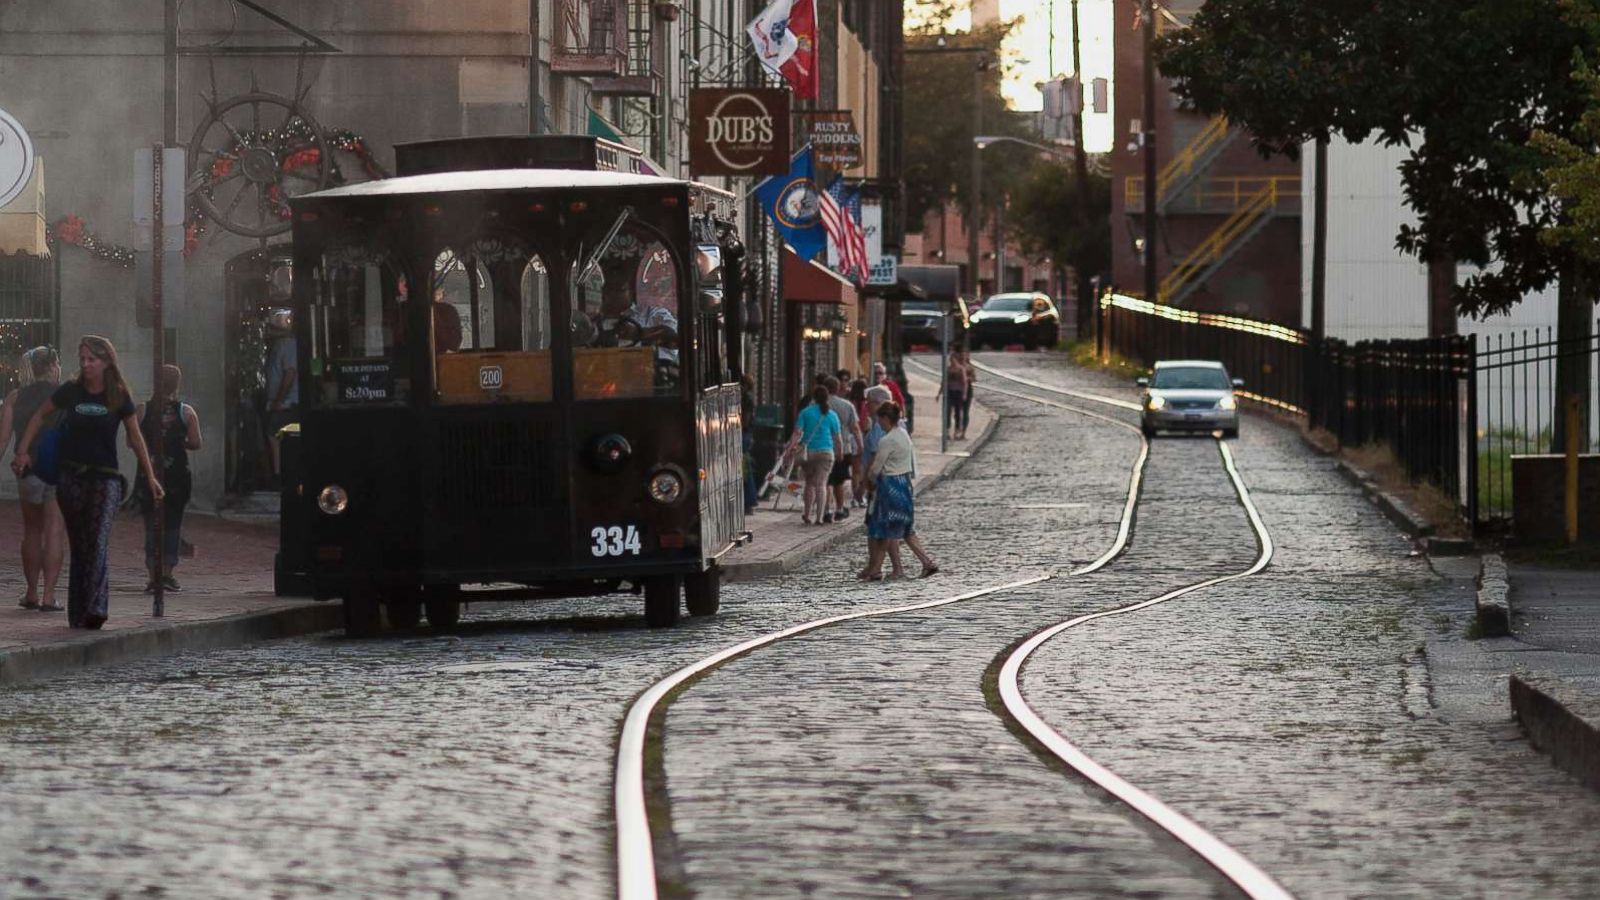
(929, 572)
(51, 607)
(28, 604)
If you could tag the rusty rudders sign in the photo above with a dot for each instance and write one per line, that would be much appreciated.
(739, 131)
(834, 139)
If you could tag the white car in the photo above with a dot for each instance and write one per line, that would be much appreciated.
(1189, 395)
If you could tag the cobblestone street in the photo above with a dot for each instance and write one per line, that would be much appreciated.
(1293, 713)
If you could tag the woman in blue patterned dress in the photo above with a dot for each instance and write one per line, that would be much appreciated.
(891, 518)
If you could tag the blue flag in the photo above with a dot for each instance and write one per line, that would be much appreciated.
(790, 201)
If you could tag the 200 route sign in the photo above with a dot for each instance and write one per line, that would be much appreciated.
(739, 131)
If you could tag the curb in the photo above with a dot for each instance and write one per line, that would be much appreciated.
(1494, 598)
(1394, 509)
(794, 559)
(33, 663)
(1546, 713)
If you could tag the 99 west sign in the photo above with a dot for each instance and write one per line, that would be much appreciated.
(738, 131)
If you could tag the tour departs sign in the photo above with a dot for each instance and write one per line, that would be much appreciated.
(739, 131)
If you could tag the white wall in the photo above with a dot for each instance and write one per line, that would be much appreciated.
(1375, 291)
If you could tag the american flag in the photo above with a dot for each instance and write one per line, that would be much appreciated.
(840, 207)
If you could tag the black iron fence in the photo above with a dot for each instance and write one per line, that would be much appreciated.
(1521, 378)
(1270, 358)
(1416, 397)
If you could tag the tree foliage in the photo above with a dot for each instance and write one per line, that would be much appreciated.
(938, 97)
(1047, 217)
(1464, 84)
(1571, 170)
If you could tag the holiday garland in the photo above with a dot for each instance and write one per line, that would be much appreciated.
(70, 230)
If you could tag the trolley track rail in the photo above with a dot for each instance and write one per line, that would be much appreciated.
(636, 874)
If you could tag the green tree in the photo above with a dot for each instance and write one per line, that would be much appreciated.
(1464, 84)
(939, 92)
(1047, 218)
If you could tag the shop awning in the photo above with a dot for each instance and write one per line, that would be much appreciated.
(810, 282)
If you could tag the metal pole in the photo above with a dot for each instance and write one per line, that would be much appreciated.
(158, 355)
(1151, 288)
(1081, 163)
(975, 214)
(1319, 245)
(1573, 412)
(1000, 244)
(169, 77)
(944, 380)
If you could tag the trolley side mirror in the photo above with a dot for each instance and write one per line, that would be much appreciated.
(708, 277)
(1142, 381)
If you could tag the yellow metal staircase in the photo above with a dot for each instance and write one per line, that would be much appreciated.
(1192, 161)
(1252, 211)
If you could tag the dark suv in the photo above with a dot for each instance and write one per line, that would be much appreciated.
(919, 323)
(1029, 319)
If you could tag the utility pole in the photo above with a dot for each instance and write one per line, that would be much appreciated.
(975, 208)
(1151, 288)
(1319, 244)
(158, 329)
(1086, 303)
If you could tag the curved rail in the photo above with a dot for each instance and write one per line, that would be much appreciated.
(636, 873)
(1109, 401)
(1233, 865)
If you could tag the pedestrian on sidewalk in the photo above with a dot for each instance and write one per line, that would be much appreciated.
(907, 403)
(817, 438)
(91, 484)
(893, 512)
(956, 379)
(44, 537)
(880, 376)
(179, 427)
(964, 411)
(850, 439)
(858, 473)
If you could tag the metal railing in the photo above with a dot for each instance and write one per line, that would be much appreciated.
(1250, 210)
(1220, 195)
(1520, 405)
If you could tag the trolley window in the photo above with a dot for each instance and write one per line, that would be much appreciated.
(491, 323)
(625, 285)
(357, 328)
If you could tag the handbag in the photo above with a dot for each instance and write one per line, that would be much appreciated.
(46, 464)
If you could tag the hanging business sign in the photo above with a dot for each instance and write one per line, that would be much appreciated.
(16, 158)
(881, 268)
(739, 131)
(835, 139)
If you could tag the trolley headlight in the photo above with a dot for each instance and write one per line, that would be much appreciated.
(1227, 402)
(333, 500)
(666, 486)
(1157, 401)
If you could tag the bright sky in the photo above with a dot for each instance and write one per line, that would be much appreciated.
(1029, 54)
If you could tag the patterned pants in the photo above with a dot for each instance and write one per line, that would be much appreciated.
(88, 504)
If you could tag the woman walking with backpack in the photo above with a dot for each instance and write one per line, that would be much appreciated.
(817, 435)
(179, 427)
(90, 485)
(43, 537)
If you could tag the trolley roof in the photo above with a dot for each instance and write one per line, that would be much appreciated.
(493, 180)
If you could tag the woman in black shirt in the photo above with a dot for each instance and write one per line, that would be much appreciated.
(91, 485)
(179, 427)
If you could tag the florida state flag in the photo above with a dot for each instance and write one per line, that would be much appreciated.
(785, 38)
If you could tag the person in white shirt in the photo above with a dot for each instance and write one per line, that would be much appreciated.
(891, 518)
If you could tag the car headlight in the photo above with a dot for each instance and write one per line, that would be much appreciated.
(1227, 402)
(1021, 319)
(333, 500)
(666, 487)
(1157, 401)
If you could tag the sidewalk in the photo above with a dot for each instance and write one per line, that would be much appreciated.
(227, 594)
(1555, 691)
(782, 542)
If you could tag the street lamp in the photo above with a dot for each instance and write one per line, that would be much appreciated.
(985, 141)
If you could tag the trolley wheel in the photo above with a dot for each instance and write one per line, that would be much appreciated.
(661, 600)
(702, 593)
(405, 610)
(362, 617)
(443, 605)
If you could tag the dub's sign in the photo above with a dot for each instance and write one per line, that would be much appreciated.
(738, 131)
(16, 157)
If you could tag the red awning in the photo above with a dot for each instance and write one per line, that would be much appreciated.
(810, 282)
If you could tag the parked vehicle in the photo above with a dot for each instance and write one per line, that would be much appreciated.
(1189, 395)
(515, 363)
(919, 323)
(1029, 319)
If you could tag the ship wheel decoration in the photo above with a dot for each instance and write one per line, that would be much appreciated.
(249, 155)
